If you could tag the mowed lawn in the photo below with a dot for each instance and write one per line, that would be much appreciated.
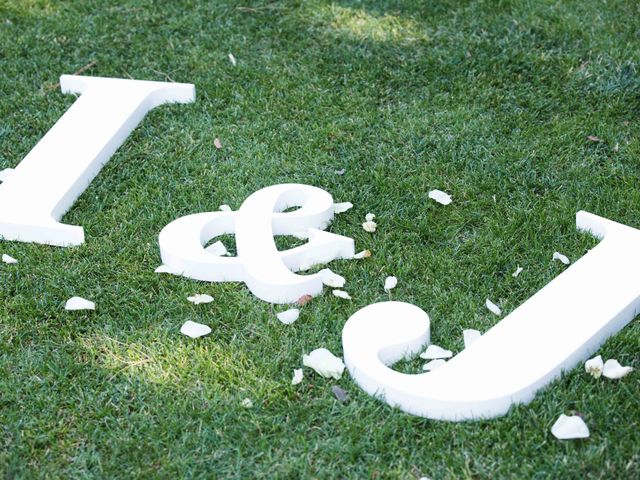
(490, 101)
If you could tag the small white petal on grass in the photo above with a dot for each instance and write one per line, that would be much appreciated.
(247, 403)
(218, 249)
(232, 59)
(390, 283)
(470, 335)
(593, 366)
(217, 143)
(342, 294)
(434, 352)
(342, 207)
(433, 364)
(569, 428)
(440, 197)
(224, 208)
(194, 329)
(8, 258)
(362, 254)
(288, 316)
(493, 308)
(369, 226)
(79, 303)
(199, 298)
(163, 269)
(369, 217)
(342, 171)
(6, 173)
(325, 363)
(613, 370)
(297, 376)
(517, 272)
(331, 279)
(561, 257)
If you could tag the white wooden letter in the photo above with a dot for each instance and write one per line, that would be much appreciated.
(560, 326)
(61, 166)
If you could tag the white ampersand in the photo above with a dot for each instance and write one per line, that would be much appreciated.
(267, 272)
(553, 331)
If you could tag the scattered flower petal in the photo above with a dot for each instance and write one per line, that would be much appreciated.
(493, 308)
(217, 143)
(369, 217)
(613, 370)
(593, 138)
(247, 403)
(324, 363)
(199, 298)
(225, 208)
(304, 299)
(163, 269)
(440, 197)
(8, 258)
(369, 226)
(517, 272)
(342, 207)
(390, 283)
(561, 257)
(341, 171)
(331, 279)
(289, 316)
(6, 173)
(339, 393)
(194, 330)
(593, 366)
(79, 303)
(434, 352)
(362, 254)
(342, 294)
(470, 335)
(218, 249)
(568, 428)
(433, 364)
(297, 376)
(232, 59)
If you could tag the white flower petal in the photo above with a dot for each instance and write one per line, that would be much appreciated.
(218, 249)
(369, 226)
(390, 283)
(342, 294)
(297, 376)
(8, 258)
(79, 303)
(568, 428)
(369, 217)
(225, 208)
(594, 366)
(342, 207)
(362, 254)
(232, 59)
(440, 197)
(199, 298)
(194, 330)
(6, 173)
(331, 279)
(289, 316)
(613, 370)
(433, 364)
(470, 335)
(493, 308)
(561, 257)
(434, 352)
(247, 403)
(163, 269)
(324, 363)
(517, 272)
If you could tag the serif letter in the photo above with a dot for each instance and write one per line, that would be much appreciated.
(61, 166)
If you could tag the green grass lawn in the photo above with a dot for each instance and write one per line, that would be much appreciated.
(490, 101)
